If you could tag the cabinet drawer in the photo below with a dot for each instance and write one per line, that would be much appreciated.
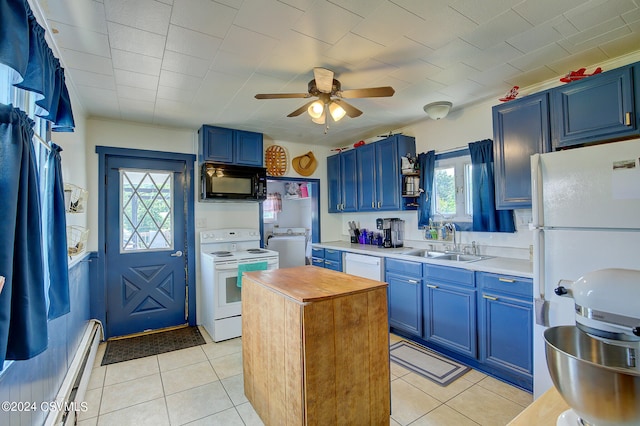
(331, 254)
(404, 267)
(317, 261)
(333, 264)
(317, 252)
(450, 275)
(506, 284)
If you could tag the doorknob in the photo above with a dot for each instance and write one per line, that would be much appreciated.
(177, 254)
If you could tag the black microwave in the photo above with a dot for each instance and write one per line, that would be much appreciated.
(229, 182)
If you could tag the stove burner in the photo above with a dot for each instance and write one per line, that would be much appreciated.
(256, 250)
(222, 253)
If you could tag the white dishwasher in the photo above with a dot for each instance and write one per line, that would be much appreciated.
(364, 266)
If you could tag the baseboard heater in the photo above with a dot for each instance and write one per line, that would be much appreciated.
(69, 401)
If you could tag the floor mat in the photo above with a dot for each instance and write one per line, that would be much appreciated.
(151, 344)
(426, 363)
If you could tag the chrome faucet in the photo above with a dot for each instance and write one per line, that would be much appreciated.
(452, 228)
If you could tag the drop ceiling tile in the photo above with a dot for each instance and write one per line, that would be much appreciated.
(179, 81)
(534, 76)
(426, 9)
(146, 15)
(538, 36)
(416, 71)
(86, 61)
(453, 74)
(92, 79)
(481, 12)
(80, 39)
(135, 79)
(538, 11)
(353, 48)
(585, 58)
(462, 90)
(177, 62)
(623, 45)
(403, 51)
(248, 43)
(204, 16)
(233, 63)
(501, 72)
(175, 94)
(135, 62)
(135, 40)
(169, 2)
(99, 102)
(535, 59)
(492, 56)
(271, 17)
(441, 27)
(631, 16)
(135, 94)
(452, 53)
(585, 17)
(326, 22)
(387, 23)
(497, 30)
(604, 32)
(88, 15)
(192, 43)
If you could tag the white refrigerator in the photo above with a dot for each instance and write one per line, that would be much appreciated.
(586, 216)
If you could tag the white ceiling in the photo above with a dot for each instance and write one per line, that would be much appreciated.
(185, 63)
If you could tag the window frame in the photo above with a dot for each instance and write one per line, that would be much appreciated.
(460, 160)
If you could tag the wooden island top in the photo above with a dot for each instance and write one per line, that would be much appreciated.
(315, 347)
(312, 284)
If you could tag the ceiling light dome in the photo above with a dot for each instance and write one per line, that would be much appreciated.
(438, 110)
(316, 109)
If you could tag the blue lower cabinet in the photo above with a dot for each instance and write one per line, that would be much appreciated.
(405, 303)
(506, 324)
(326, 258)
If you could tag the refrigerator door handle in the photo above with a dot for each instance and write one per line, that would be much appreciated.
(537, 207)
(541, 304)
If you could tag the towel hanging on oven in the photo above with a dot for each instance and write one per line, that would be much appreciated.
(248, 267)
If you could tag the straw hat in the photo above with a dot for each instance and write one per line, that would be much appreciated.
(305, 164)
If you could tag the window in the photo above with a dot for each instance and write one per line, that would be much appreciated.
(452, 188)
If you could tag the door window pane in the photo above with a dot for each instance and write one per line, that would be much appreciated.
(146, 210)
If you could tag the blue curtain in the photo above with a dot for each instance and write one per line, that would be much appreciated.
(23, 311)
(485, 216)
(56, 235)
(426, 163)
(24, 50)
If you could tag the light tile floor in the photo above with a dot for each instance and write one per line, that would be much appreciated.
(203, 386)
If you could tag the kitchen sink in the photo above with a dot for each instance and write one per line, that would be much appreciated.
(439, 255)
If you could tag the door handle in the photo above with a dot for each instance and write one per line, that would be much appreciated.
(177, 254)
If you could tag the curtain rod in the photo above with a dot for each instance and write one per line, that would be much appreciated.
(42, 141)
(446, 151)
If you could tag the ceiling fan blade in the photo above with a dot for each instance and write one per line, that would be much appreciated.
(350, 109)
(281, 95)
(371, 92)
(324, 79)
(300, 110)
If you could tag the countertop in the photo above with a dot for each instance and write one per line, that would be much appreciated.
(494, 264)
(544, 411)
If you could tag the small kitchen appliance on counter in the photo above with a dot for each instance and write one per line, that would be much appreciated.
(393, 231)
(595, 365)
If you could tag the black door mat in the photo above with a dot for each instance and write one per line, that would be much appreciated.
(151, 344)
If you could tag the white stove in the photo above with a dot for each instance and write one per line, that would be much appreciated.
(222, 253)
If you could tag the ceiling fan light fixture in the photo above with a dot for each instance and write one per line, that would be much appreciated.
(438, 110)
(320, 119)
(316, 110)
(336, 111)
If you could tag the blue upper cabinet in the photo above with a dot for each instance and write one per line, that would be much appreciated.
(520, 129)
(230, 146)
(596, 109)
(379, 175)
(341, 176)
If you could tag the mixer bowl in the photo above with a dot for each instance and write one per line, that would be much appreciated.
(599, 381)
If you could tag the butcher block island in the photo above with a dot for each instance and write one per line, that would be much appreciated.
(315, 347)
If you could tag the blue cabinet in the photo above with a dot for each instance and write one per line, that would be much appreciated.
(221, 145)
(520, 129)
(506, 325)
(341, 176)
(596, 109)
(404, 293)
(449, 308)
(326, 258)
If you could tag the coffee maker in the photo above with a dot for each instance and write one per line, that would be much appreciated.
(392, 231)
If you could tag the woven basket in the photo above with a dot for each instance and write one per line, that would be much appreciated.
(276, 160)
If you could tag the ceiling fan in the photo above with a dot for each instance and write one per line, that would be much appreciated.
(330, 97)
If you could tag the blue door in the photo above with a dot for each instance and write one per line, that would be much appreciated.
(145, 241)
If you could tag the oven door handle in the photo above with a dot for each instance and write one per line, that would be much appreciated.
(226, 266)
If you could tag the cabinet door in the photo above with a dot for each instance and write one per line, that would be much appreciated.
(520, 129)
(366, 170)
(248, 148)
(405, 303)
(216, 144)
(450, 317)
(506, 327)
(349, 181)
(388, 182)
(334, 186)
(594, 109)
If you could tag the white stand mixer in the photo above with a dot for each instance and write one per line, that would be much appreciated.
(594, 365)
